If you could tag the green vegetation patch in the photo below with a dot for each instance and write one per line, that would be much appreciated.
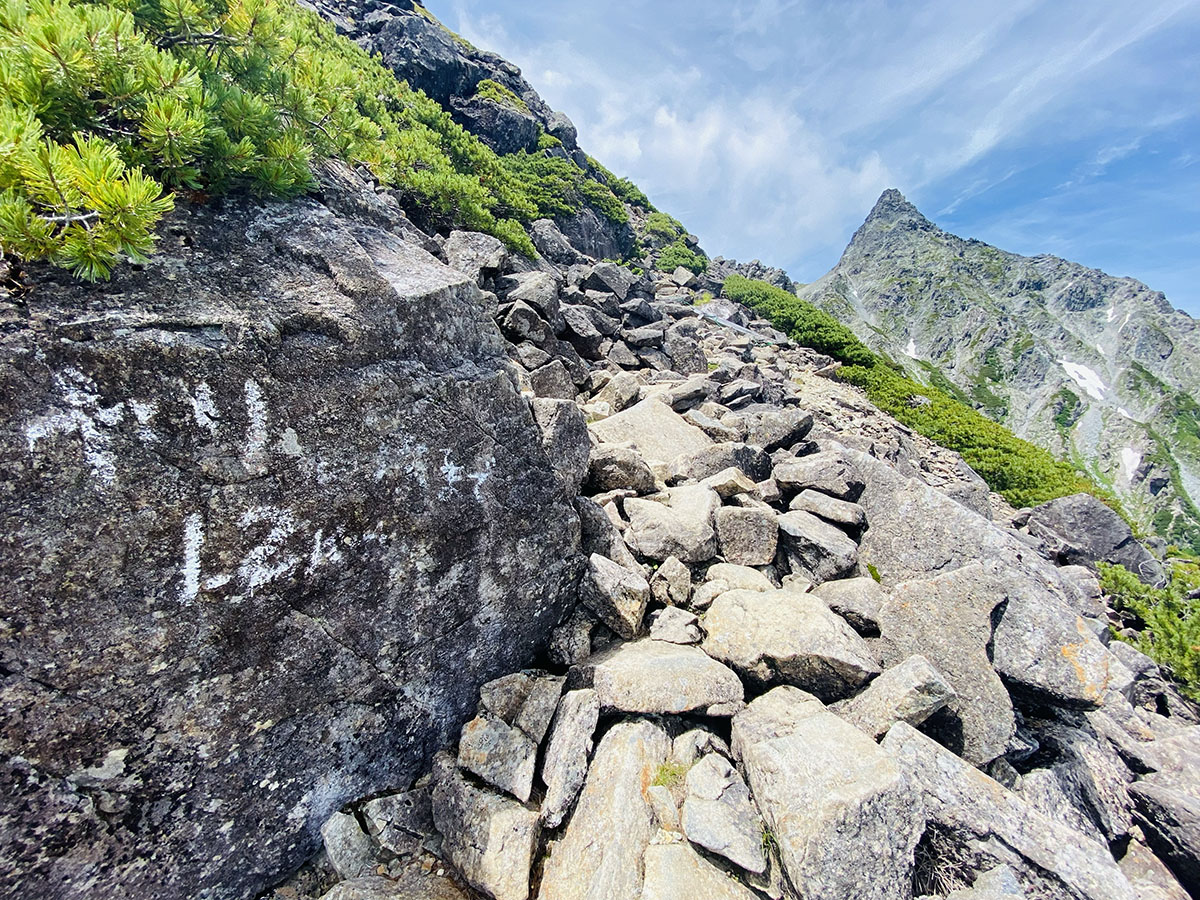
(680, 254)
(1023, 473)
(554, 186)
(1171, 632)
(497, 93)
(663, 226)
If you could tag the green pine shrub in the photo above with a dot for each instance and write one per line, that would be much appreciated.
(1025, 475)
(1171, 623)
(624, 189)
(109, 106)
(680, 254)
(663, 226)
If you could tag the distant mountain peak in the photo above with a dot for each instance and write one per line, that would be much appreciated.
(892, 207)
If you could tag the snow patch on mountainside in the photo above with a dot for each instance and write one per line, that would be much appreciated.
(1130, 460)
(1085, 378)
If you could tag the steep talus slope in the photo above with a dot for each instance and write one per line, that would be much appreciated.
(1099, 369)
(273, 509)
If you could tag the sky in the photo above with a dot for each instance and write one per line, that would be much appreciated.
(770, 127)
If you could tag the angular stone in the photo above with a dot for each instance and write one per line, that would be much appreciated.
(714, 428)
(816, 549)
(748, 537)
(839, 512)
(347, 846)
(831, 472)
(675, 626)
(600, 535)
(671, 583)
(729, 483)
(708, 461)
(500, 754)
(566, 762)
(581, 331)
(654, 429)
(993, 826)
(1084, 590)
(621, 392)
(616, 594)
(474, 254)
(782, 637)
(649, 676)
(683, 349)
(1081, 530)
(615, 468)
(523, 323)
(948, 620)
(857, 600)
(694, 743)
(553, 381)
(400, 822)
(540, 290)
(610, 278)
(412, 886)
(688, 393)
(1150, 879)
(1040, 646)
(565, 440)
(843, 815)
(571, 642)
(601, 853)
(774, 428)
(683, 527)
(1167, 806)
(677, 872)
(525, 700)
(490, 839)
(909, 692)
(719, 816)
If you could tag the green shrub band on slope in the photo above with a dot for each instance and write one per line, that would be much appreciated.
(105, 107)
(1025, 475)
(1171, 633)
(500, 95)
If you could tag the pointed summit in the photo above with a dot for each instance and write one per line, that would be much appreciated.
(892, 207)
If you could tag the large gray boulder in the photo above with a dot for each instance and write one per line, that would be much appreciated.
(684, 526)
(841, 810)
(273, 511)
(566, 762)
(748, 537)
(783, 637)
(1168, 809)
(1080, 530)
(909, 692)
(655, 430)
(816, 549)
(565, 440)
(831, 472)
(677, 872)
(650, 676)
(616, 594)
(991, 826)
(948, 621)
(601, 853)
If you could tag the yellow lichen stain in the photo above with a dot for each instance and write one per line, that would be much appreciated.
(1090, 689)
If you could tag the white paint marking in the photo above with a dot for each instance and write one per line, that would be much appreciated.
(1112, 313)
(257, 568)
(204, 410)
(911, 349)
(193, 541)
(256, 427)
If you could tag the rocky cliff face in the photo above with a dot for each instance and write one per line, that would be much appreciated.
(1101, 370)
(273, 510)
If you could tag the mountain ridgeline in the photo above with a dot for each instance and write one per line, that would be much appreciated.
(1100, 370)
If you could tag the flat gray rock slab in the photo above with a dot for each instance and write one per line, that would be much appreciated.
(655, 430)
(719, 815)
(566, 763)
(677, 872)
(489, 838)
(839, 512)
(948, 620)
(831, 472)
(841, 810)
(995, 826)
(684, 526)
(909, 692)
(785, 637)
(676, 626)
(816, 549)
(347, 846)
(1168, 810)
(649, 676)
(601, 853)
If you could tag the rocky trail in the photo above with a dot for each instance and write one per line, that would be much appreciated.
(812, 656)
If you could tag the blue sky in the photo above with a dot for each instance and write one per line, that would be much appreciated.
(769, 127)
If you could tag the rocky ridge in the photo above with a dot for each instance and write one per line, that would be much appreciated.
(813, 656)
(1100, 370)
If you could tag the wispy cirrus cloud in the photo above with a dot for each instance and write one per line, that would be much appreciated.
(770, 126)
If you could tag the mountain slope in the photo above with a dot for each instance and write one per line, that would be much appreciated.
(1101, 370)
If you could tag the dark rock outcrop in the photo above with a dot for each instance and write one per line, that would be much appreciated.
(273, 510)
(1080, 530)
